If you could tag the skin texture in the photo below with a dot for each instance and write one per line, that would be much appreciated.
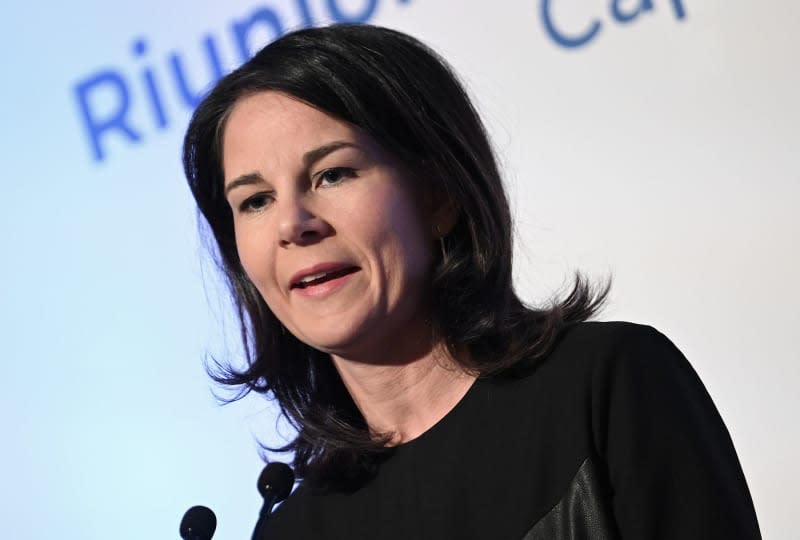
(311, 193)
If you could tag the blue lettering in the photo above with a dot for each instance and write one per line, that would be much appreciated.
(241, 29)
(192, 98)
(340, 16)
(96, 127)
(680, 11)
(104, 97)
(561, 38)
(626, 17)
(305, 13)
(139, 49)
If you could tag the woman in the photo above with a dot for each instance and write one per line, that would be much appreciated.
(362, 225)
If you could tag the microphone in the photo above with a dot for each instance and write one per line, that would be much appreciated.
(198, 523)
(274, 484)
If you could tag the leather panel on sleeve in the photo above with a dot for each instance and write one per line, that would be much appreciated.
(584, 513)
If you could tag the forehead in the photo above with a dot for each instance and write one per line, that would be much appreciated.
(278, 111)
(279, 128)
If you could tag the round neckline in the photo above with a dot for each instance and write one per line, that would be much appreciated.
(443, 422)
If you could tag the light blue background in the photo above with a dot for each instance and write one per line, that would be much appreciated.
(109, 303)
(664, 150)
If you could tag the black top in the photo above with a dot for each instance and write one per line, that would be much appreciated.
(613, 436)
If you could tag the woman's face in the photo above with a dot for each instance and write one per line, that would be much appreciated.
(328, 226)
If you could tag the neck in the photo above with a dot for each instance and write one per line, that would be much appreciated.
(403, 399)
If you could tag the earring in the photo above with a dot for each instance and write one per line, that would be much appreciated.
(440, 236)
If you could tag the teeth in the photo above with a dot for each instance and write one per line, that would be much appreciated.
(312, 277)
(321, 277)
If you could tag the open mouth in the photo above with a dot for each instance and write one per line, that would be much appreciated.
(322, 277)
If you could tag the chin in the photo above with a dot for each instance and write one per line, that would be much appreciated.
(338, 343)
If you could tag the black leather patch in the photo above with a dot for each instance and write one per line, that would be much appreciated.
(584, 513)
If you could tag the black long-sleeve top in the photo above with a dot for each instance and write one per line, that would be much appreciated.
(612, 436)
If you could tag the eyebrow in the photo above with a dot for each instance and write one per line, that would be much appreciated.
(244, 180)
(312, 156)
(309, 158)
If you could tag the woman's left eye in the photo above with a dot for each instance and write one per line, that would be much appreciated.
(335, 175)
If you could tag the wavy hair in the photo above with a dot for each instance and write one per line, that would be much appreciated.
(407, 98)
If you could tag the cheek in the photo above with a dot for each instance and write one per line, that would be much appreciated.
(409, 239)
(256, 259)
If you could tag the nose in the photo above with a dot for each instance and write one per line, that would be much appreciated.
(298, 225)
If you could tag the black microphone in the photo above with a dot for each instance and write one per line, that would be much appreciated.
(275, 483)
(198, 523)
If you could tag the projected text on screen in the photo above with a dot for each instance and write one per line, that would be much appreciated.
(119, 107)
(107, 99)
(620, 11)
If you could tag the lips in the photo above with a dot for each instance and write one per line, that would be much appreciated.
(319, 274)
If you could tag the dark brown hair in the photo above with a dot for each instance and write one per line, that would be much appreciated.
(409, 100)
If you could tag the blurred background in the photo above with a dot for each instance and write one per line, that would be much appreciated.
(652, 140)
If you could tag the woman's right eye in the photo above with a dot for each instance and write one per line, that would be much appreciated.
(256, 203)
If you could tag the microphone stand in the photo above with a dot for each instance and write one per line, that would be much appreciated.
(270, 498)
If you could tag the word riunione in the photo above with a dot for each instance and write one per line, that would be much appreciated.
(115, 105)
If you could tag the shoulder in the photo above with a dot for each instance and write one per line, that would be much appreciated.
(615, 351)
(619, 379)
(601, 353)
(607, 340)
(592, 358)
(640, 388)
(591, 355)
(622, 362)
(666, 450)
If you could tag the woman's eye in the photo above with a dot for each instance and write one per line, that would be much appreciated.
(335, 175)
(256, 203)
